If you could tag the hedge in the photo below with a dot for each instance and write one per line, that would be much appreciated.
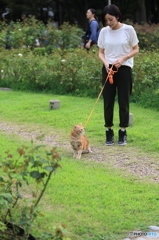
(75, 72)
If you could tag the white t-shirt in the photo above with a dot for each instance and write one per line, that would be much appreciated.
(118, 43)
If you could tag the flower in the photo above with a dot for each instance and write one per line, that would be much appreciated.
(63, 60)
(2, 70)
(19, 54)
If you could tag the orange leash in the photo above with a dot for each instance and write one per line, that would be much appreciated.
(110, 77)
(110, 74)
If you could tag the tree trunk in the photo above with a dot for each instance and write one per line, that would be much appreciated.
(141, 11)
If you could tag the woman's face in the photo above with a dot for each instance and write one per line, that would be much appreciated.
(89, 14)
(111, 21)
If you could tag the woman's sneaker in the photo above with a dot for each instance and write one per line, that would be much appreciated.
(109, 137)
(122, 138)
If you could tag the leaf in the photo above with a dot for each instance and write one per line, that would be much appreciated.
(6, 195)
(49, 168)
(43, 161)
(43, 174)
(35, 174)
(3, 202)
(46, 236)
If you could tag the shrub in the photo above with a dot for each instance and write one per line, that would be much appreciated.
(24, 34)
(75, 72)
(62, 72)
(148, 35)
(70, 36)
(18, 34)
(24, 179)
(146, 79)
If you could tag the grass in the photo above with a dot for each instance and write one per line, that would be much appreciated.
(30, 108)
(94, 200)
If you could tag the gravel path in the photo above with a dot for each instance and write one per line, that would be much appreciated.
(124, 158)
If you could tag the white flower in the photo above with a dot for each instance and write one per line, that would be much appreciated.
(19, 54)
(2, 70)
(20, 29)
(63, 60)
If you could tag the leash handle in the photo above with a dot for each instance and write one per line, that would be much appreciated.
(110, 74)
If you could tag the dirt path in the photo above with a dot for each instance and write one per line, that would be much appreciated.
(124, 158)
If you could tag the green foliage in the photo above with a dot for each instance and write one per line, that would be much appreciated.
(148, 35)
(61, 66)
(146, 79)
(23, 183)
(18, 34)
(73, 72)
(70, 36)
(24, 34)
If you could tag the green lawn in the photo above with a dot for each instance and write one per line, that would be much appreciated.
(94, 200)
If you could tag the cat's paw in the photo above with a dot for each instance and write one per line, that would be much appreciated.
(89, 150)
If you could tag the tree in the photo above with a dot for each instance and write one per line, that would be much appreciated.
(75, 11)
(152, 9)
(19, 8)
(141, 11)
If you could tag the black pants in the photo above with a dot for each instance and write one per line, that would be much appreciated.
(123, 86)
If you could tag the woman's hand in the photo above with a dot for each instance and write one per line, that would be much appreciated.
(119, 62)
(106, 66)
(88, 45)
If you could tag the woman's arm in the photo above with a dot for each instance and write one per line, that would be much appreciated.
(93, 36)
(102, 58)
(93, 29)
(134, 51)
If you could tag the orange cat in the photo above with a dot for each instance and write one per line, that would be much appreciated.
(79, 141)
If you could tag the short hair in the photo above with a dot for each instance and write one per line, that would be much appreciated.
(112, 10)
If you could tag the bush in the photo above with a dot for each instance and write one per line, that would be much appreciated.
(23, 182)
(146, 79)
(24, 34)
(75, 72)
(148, 35)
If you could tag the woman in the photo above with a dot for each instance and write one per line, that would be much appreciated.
(118, 44)
(92, 33)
